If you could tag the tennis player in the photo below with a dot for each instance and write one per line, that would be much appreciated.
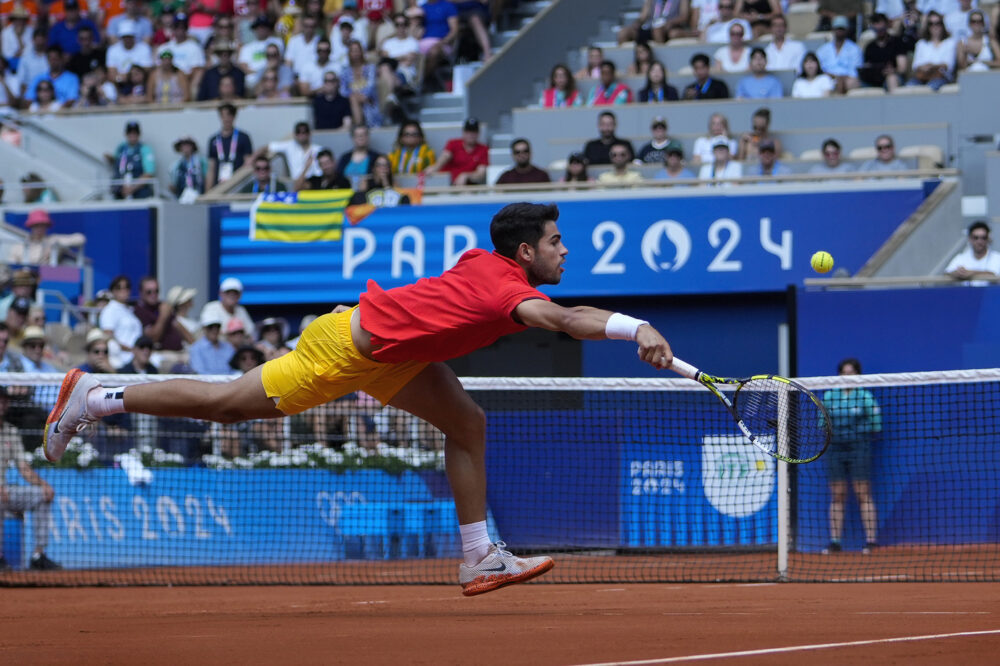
(392, 346)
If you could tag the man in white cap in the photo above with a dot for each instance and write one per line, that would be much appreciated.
(127, 51)
(210, 353)
(228, 306)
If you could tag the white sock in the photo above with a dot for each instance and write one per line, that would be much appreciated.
(104, 401)
(475, 542)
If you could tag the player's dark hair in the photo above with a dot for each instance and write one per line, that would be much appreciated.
(979, 224)
(849, 361)
(520, 223)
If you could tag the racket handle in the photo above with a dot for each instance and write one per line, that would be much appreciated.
(684, 369)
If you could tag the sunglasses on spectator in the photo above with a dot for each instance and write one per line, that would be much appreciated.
(522, 151)
(937, 23)
(975, 20)
(884, 146)
(262, 167)
(100, 352)
(322, 50)
(39, 345)
(400, 24)
(726, 6)
(151, 291)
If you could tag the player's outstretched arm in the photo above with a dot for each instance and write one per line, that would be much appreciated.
(587, 323)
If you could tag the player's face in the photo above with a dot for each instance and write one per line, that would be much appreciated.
(546, 266)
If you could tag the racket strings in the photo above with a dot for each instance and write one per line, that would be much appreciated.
(784, 418)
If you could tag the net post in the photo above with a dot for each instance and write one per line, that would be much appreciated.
(784, 526)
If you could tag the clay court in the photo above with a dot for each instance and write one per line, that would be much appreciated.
(912, 623)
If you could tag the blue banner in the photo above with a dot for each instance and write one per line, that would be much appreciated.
(618, 247)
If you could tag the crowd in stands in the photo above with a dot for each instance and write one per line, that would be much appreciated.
(380, 53)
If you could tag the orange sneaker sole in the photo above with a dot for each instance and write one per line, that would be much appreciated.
(68, 384)
(483, 584)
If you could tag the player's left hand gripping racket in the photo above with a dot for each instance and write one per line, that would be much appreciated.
(780, 417)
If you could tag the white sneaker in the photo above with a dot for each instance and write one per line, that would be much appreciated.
(500, 567)
(70, 414)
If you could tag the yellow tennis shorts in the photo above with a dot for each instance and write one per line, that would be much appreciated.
(326, 365)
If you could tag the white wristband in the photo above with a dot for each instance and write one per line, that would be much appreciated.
(622, 327)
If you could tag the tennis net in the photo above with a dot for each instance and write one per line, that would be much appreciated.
(623, 480)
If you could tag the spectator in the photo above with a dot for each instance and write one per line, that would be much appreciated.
(673, 163)
(33, 63)
(133, 89)
(641, 59)
(718, 127)
(17, 317)
(272, 332)
(977, 260)
(597, 151)
(783, 53)
(133, 161)
(35, 497)
(404, 48)
(831, 160)
(268, 86)
(298, 151)
(440, 34)
(187, 175)
(841, 57)
(856, 419)
(758, 84)
(359, 23)
(42, 248)
(357, 83)
(704, 86)
(24, 282)
(329, 178)
(253, 55)
(141, 363)
(759, 13)
(722, 165)
(163, 27)
(45, 99)
(96, 90)
(562, 90)
(734, 56)
(908, 26)
(236, 333)
(33, 344)
(768, 163)
(658, 21)
(210, 353)
(719, 30)
(159, 323)
(284, 76)
(228, 306)
(89, 54)
(814, 82)
(227, 149)
(65, 84)
(592, 70)
(167, 84)
(331, 110)
(979, 51)
(182, 299)
(97, 352)
(657, 89)
(340, 43)
(524, 171)
(263, 181)
(760, 124)
(127, 52)
(885, 156)
(884, 57)
(66, 32)
(380, 190)
(411, 154)
(10, 88)
(189, 56)
(609, 91)
(301, 48)
(464, 158)
(119, 322)
(620, 173)
(576, 170)
(476, 14)
(143, 27)
(934, 60)
(15, 38)
(956, 21)
(654, 152)
(34, 189)
(208, 89)
(312, 74)
(831, 10)
(356, 164)
(224, 31)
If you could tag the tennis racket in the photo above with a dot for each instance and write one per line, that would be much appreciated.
(780, 417)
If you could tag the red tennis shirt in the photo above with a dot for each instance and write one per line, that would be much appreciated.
(435, 319)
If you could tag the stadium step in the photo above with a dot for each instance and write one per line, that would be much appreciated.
(442, 101)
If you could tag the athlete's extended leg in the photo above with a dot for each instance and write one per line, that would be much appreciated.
(436, 396)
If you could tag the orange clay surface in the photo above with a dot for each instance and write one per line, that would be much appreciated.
(533, 623)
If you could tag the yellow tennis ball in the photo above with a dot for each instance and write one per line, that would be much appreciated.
(821, 262)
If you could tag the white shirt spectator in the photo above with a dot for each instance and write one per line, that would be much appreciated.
(254, 54)
(122, 59)
(312, 74)
(821, 86)
(709, 11)
(718, 33)
(213, 311)
(397, 48)
(300, 52)
(13, 84)
(8, 40)
(360, 32)
(125, 329)
(789, 56)
(733, 169)
(721, 56)
(928, 53)
(188, 55)
(940, 6)
(967, 260)
(31, 66)
(296, 156)
(893, 9)
(703, 148)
